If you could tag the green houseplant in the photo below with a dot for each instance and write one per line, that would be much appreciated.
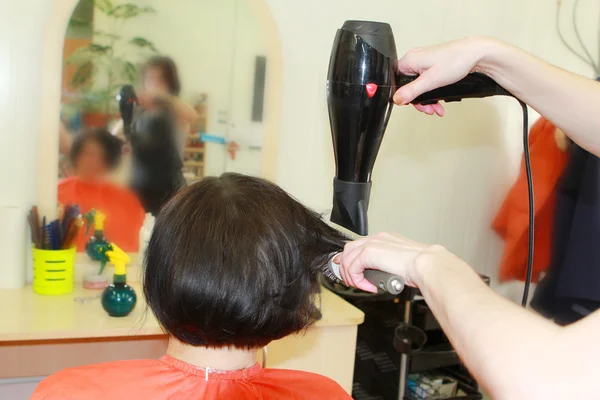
(110, 60)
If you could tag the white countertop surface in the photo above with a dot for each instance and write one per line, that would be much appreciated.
(28, 316)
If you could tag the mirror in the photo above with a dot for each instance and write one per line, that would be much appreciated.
(195, 83)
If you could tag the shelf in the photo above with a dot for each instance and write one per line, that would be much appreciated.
(194, 150)
(193, 163)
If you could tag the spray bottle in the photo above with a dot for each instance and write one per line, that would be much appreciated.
(146, 234)
(118, 299)
(98, 242)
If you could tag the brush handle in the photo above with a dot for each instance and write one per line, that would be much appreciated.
(35, 226)
(70, 236)
(390, 283)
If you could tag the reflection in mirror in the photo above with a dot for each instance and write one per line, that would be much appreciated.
(155, 97)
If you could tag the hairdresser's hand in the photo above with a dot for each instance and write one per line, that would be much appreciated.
(439, 66)
(387, 252)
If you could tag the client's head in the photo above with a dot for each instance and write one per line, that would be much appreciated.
(94, 154)
(233, 262)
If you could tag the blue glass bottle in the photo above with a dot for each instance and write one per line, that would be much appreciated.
(118, 299)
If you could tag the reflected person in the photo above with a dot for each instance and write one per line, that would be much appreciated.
(157, 135)
(94, 154)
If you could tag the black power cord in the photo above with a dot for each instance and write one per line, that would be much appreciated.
(531, 203)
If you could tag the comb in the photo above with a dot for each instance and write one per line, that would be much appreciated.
(45, 235)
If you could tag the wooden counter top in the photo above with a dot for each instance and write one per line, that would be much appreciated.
(28, 316)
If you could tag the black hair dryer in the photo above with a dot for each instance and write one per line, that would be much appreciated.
(127, 103)
(361, 82)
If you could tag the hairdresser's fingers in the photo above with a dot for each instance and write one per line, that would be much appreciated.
(356, 276)
(431, 109)
(348, 258)
(339, 259)
(345, 277)
(351, 249)
(356, 270)
(438, 108)
(363, 284)
(356, 261)
(428, 80)
(386, 253)
(425, 108)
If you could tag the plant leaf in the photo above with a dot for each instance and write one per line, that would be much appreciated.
(143, 43)
(75, 23)
(87, 53)
(83, 74)
(130, 71)
(79, 56)
(98, 48)
(129, 10)
(104, 5)
(107, 35)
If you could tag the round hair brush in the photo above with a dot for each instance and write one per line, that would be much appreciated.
(390, 283)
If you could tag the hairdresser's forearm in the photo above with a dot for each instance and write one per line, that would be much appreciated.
(569, 100)
(501, 343)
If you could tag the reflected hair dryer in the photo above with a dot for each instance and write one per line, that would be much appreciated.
(127, 103)
(361, 82)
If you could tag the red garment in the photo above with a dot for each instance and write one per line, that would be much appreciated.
(124, 214)
(171, 379)
(512, 221)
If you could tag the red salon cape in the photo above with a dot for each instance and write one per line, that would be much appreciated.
(124, 214)
(171, 379)
(512, 221)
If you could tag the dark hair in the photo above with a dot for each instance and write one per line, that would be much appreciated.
(234, 261)
(168, 69)
(109, 143)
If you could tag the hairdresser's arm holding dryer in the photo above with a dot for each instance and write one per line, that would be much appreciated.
(512, 352)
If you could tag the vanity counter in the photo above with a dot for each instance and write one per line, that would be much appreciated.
(40, 335)
(79, 315)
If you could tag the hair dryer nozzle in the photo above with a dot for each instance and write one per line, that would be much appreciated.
(350, 205)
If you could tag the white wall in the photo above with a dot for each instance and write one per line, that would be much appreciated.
(20, 78)
(435, 180)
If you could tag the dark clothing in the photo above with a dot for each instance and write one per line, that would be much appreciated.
(571, 289)
(153, 196)
(157, 166)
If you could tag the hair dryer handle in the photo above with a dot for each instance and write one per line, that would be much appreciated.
(127, 102)
(474, 85)
(392, 284)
